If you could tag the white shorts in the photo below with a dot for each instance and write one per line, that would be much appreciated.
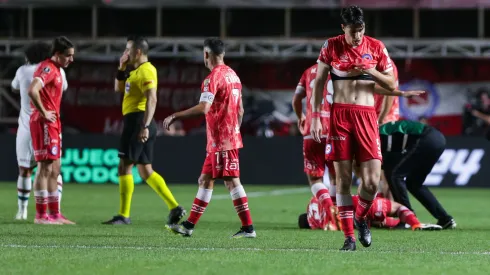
(24, 150)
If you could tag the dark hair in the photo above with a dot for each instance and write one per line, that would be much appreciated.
(352, 15)
(140, 43)
(303, 221)
(216, 45)
(60, 45)
(37, 52)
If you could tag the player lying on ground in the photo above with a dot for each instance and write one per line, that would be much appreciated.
(381, 214)
(314, 152)
(221, 103)
(140, 131)
(45, 93)
(34, 54)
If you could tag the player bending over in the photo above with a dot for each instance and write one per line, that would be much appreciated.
(381, 214)
(314, 152)
(34, 54)
(45, 93)
(140, 131)
(221, 102)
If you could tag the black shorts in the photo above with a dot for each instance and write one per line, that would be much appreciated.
(130, 147)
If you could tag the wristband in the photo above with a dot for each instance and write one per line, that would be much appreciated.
(315, 115)
(121, 75)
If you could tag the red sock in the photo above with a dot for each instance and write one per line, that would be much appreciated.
(324, 199)
(407, 216)
(364, 204)
(201, 201)
(240, 202)
(53, 203)
(346, 214)
(391, 222)
(41, 203)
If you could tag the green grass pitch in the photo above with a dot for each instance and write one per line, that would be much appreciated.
(145, 247)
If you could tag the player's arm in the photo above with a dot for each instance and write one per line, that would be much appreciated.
(298, 97)
(385, 108)
(200, 109)
(321, 78)
(16, 82)
(121, 75)
(384, 79)
(382, 91)
(241, 111)
(151, 105)
(34, 93)
(65, 81)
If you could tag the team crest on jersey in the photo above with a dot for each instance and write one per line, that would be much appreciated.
(54, 150)
(325, 44)
(47, 69)
(367, 56)
(328, 149)
(128, 85)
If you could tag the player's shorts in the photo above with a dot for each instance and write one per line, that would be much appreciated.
(379, 210)
(46, 139)
(314, 156)
(353, 131)
(23, 148)
(222, 164)
(130, 147)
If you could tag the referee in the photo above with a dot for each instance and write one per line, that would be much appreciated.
(139, 132)
(410, 150)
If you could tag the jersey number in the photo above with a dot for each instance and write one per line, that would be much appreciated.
(329, 96)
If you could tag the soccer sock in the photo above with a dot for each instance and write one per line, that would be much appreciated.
(365, 202)
(41, 203)
(157, 183)
(391, 222)
(201, 201)
(53, 203)
(407, 216)
(24, 186)
(126, 188)
(60, 189)
(326, 178)
(240, 202)
(346, 213)
(333, 193)
(321, 192)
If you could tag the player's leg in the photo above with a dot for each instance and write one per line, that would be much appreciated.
(53, 195)
(345, 205)
(407, 216)
(59, 181)
(41, 192)
(240, 202)
(26, 162)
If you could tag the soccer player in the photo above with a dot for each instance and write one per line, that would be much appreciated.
(411, 149)
(356, 62)
(387, 107)
(381, 214)
(221, 103)
(140, 130)
(314, 152)
(34, 54)
(45, 92)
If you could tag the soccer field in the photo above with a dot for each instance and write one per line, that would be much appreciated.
(145, 247)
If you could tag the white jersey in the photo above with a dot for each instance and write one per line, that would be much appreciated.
(22, 81)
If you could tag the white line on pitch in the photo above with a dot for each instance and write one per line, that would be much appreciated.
(235, 249)
(276, 192)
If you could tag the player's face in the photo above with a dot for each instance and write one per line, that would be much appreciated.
(206, 58)
(66, 58)
(354, 34)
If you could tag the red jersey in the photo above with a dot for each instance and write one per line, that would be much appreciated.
(222, 88)
(50, 75)
(394, 112)
(305, 88)
(317, 217)
(342, 57)
(380, 209)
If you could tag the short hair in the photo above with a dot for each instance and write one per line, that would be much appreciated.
(37, 52)
(60, 45)
(140, 43)
(215, 45)
(303, 221)
(352, 15)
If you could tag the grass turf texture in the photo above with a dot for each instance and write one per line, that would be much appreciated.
(145, 247)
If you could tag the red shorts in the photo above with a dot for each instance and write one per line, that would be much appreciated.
(46, 139)
(379, 210)
(222, 164)
(353, 132)
(314, 158)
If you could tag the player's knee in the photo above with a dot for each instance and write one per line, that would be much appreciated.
(371, 182)
(124, 167)
(205, 182)
(312, 180)
(232, 183)
(25, 172)
(145, 170)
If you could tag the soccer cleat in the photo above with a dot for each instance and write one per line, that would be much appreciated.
(426, 227)
(364, 232)
(185, 228)
(447, 224)
(21, 215)
(175, 215)
(349, 244)
(45, 220)
(245, 233)
(61, 219)
(118, 220)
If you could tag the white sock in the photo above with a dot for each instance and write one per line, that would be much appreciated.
(326, 179)
(24, 186)
(204, 194)
(60, 189)
(238, 192)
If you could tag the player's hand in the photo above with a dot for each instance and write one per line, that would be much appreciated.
(123, 61)
(168, 121)
(144, 135)
(316, 129)
(409, 94)
(49, 116)
(301, 124)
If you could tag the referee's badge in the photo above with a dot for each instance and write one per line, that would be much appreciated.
(127, 87)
